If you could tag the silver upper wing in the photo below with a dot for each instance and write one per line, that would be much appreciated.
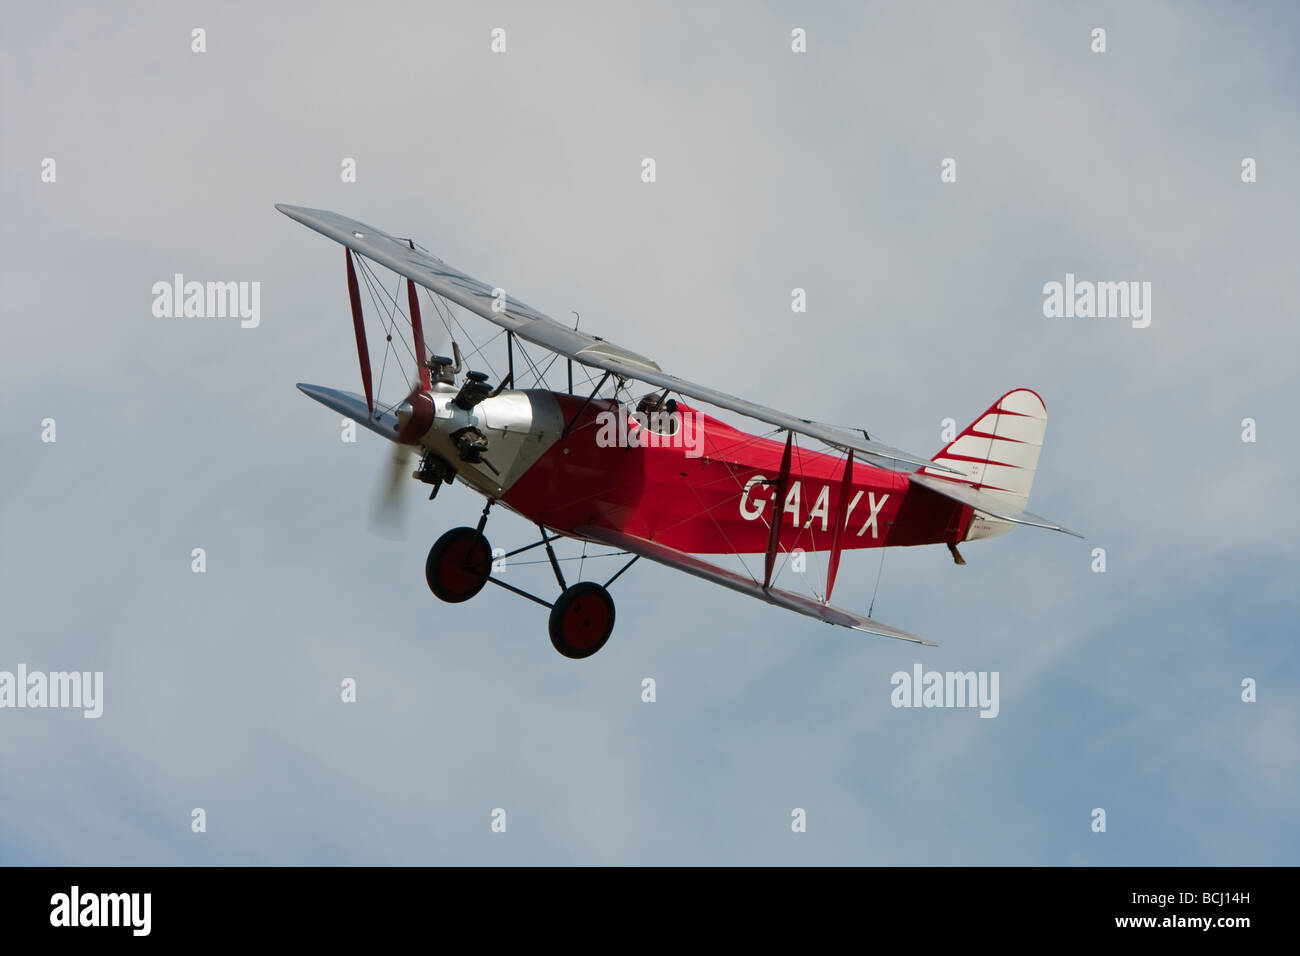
(535, 327)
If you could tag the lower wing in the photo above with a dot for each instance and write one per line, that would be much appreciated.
(689, 563)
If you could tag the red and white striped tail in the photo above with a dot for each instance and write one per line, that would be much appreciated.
(999, 453)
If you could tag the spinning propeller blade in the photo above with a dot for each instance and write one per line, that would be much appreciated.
(389, 515)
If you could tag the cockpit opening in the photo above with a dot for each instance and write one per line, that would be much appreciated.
(659, 413)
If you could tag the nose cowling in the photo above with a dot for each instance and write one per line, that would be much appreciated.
(415, 417)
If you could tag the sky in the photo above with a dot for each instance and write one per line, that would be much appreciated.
(821, 170)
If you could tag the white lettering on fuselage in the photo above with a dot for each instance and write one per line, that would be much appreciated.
(751, 508)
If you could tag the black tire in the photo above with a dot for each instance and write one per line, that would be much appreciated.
(458, 565)
(582, 620)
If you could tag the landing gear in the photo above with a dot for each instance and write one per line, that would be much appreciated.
(582, 617)
(582, 620)
(459, 564)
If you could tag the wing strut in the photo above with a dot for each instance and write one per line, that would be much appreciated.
(417, 331)
(574, 420)
(778, 512)
(354, 293)
(846, 485)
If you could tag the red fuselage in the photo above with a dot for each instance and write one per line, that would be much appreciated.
(708, 489)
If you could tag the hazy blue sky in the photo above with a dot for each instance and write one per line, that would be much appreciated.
(776, 170)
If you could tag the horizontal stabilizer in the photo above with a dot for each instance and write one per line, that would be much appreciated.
(986, 503)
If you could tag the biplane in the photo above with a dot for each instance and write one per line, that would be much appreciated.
(653, 476)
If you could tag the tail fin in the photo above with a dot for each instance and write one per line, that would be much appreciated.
(999, 454)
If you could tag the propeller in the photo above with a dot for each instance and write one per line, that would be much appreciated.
(389, 516)
(390, 508)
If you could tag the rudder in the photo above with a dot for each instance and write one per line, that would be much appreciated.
(999, 454)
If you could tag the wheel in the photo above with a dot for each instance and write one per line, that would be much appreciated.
(582, 620)
(459, 565)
